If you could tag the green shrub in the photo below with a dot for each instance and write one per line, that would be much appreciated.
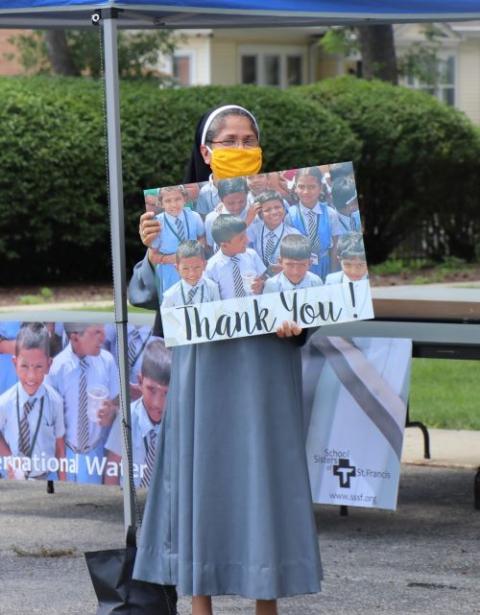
(53, 204)
(419, 158)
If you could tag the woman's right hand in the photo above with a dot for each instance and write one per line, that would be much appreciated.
(148, 228)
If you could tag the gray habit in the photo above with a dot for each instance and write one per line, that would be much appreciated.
(229, 509)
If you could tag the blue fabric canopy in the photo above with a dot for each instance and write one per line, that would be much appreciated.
(233, 13)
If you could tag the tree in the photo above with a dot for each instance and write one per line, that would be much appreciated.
(78, 52)
(376, 45)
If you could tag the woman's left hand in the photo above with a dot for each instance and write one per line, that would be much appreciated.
(289, 328)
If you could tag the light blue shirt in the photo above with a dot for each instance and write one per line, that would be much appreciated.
(280, 282)
(207, 290)
(220, 270)
(207, 198)
(167, 241)
(50, 424)
(64, 376)
(141, 426)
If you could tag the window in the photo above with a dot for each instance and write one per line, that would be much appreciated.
(269, 65)
(182, 69)
(444, 88)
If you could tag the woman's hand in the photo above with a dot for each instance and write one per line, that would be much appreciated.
(289, 328)
(149, 228)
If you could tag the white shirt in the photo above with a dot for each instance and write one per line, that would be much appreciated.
(64, 376)
(340, 277)
(207, 290)
(141, 427)
(50, 424)
(220, 270)
(259, 236)
(280, 282)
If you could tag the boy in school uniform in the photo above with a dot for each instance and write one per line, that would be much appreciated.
(236, 269)
(353, 260)
(266, 235)
(295, 253)
(193, 287)
(31, 412)
(345, 201)
(81, 367)
(146, 414)
(233, 195)
(177, 224)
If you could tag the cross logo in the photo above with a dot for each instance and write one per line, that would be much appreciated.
(345, 472)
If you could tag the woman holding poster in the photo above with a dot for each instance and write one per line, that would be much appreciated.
(229, 509)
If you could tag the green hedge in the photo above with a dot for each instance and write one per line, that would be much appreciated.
(420, 160)
(52, 161)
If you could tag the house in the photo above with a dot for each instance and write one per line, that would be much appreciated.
(291, 56)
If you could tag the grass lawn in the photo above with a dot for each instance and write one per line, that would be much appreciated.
(446, 393)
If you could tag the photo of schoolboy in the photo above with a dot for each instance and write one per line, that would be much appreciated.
(266, 234)
(233, 200)
(207, 199)
(177, 224)
(295, 253)
(351, 253)
(344, 198)
(86, 377)
(315, 220)
(236, 269)
(193, 287)
(146, 416)
(31, 412)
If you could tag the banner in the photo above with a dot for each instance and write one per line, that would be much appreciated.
(59, 414)
(240, 256)
(356, 393)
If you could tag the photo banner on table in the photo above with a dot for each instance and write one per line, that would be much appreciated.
(355, 392)
(240, 256)
(59, 409)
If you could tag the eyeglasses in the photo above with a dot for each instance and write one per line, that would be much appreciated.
(307, 187)
(247, 143)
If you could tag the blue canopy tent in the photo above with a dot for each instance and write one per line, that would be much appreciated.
(172, 14)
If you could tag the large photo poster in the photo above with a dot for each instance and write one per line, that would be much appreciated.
(239, 256)
(59, 409)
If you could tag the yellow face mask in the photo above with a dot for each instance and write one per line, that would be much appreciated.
(235, 161)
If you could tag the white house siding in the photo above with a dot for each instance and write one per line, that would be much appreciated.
(468, 79)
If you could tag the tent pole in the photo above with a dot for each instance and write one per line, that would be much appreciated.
(117, 230)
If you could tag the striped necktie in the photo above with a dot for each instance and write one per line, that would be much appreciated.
(82, 421)
(24, 436)
(150, 458)
(180, 230)
(237, 278)
(191, 294)
(133, 339)
(269, 248)
(312, 219)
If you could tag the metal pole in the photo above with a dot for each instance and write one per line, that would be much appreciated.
(117, 230)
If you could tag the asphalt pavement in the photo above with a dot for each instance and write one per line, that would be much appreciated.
(423, 558)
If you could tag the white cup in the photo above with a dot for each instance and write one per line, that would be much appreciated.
(248, 278)
(96, 396)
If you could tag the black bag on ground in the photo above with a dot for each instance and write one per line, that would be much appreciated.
(111, 573)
